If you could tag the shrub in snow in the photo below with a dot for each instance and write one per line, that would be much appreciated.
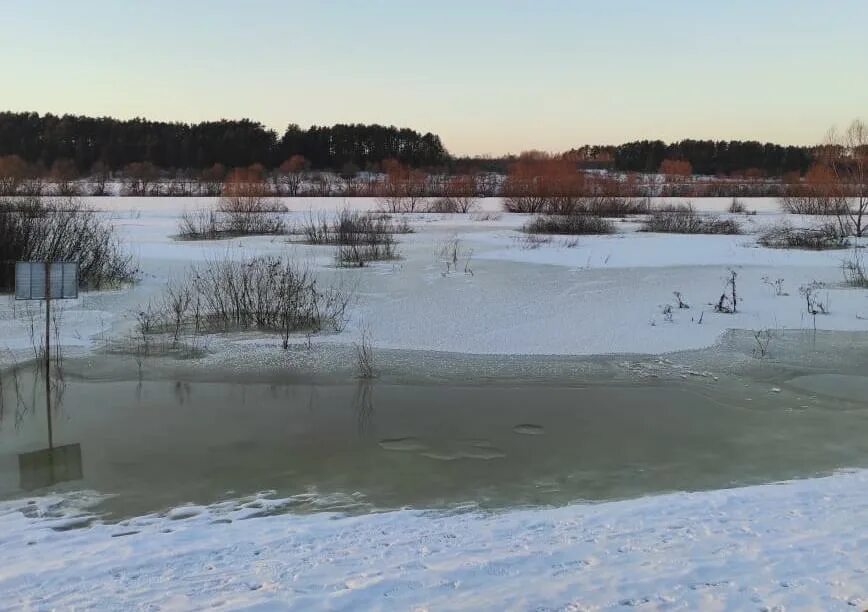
(360, 237)
(728, 302)
(33, 229)
(261, 293)
(830, 235)
(569, 224)
(207, 224)
(602, 206)
(855, 272)
(684, 220)
(737, 207)
(816, 304)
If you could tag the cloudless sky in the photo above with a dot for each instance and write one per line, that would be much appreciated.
(488, 76)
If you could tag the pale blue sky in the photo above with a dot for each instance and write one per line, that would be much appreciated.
(488, 76)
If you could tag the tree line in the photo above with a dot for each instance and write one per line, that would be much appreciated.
(80, 143)
(714, 158)
(43, 140)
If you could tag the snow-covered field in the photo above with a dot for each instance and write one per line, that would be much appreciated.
(599, 295)
(798, 544)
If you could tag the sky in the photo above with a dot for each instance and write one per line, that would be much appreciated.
(489, 77)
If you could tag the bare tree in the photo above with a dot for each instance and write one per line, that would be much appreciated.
(99, 175)
(13, 172)
(64, 175)
(847, 156)
(292, 172)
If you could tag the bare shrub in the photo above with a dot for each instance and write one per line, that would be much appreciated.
(404, 190)
(687, 221)
(364, 357)
(359, 254)
(776, 284)
(486, 216)
(614, 206)
(460, 196)
(453, 204)
(248, 209)
(674, 207)
(855, 271)
(206, 224)
(569, 224)
(14, 172)
(64, 175)
(812, 205)
(784, 236)
(99, 179)
(728, 302)
(815, 303)
(762, 339)
(360, 237)
(531, 242)
(737, 207)
(350, 227)
(61, 230)
(525, 203)
(602, 206)
(140, 179)
(259, 293)
(452, 252)
(201, 224)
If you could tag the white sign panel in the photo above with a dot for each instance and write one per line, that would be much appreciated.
(30, 280)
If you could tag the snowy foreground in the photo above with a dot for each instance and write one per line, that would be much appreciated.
(799, 545)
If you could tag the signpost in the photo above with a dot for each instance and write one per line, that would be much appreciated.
(38, 280)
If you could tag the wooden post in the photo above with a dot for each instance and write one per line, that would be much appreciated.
(48, 354)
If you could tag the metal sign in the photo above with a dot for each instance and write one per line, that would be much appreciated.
(31, 284)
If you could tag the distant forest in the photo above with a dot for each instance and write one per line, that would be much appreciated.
(43, 140)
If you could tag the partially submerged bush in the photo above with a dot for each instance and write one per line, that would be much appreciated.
(855, 270)
(784, 236)
(737, 207)
(603, 206)
(32, 229)
(205, 224)
(569, 224)
(684, 220)
(260, 293)
(820, 205)
(453, 204)
(360, 237)
(350, 227)
(358, 255)
(245, 208)
(611, 206)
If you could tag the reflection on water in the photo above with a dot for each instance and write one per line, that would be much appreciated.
(362, 445)
(49, 466)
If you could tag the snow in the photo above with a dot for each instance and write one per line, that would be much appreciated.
(603, 295)
(797, 544)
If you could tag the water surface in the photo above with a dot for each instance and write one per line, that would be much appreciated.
(357, 446)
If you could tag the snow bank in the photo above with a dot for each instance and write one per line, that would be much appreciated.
(798, 544)
(601, 295)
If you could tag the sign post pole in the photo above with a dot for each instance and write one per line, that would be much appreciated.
(48, 353)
